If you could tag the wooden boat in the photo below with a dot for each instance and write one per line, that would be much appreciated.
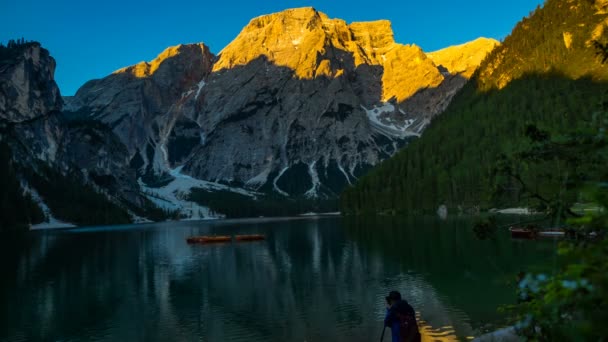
(522, 233)
(552, 233)
(253, 237)
(526, 233)
(209, 239)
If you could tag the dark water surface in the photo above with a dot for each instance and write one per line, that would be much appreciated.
(311, 280)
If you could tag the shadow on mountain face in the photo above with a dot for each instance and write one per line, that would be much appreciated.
(260, 119)
(270, 120)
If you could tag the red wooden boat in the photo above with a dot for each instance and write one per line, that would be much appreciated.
(522, 233)
(253, 237)
(209, 239)
(527, 233)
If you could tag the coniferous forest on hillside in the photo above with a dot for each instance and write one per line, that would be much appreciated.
(16, 207)
(546, 74)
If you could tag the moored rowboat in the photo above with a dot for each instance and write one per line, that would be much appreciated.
(254, 237)
(526, 233)
(209, 239)
(522, 233)
(552, 233)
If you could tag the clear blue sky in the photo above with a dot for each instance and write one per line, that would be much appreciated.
(90, 39)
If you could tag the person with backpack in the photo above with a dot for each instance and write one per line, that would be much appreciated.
(401, 318)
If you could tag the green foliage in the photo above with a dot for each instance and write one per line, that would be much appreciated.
(552, 171)
(236, 205)
(154, 180)
(571, 304)
(150, 211)
(17, 210)
(71, 200)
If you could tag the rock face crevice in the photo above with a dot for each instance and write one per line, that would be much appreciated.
(295, 95)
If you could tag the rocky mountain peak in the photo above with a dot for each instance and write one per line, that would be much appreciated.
(27, 84)
(313, 45)
(307, 16)
(465, 58)
(372, 34)
(166, 59)
(132, 99)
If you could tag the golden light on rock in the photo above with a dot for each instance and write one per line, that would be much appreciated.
(313, 45)
(465, 58)
(147, 69)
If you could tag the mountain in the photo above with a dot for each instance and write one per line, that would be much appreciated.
(546, 73)
(137, 100)
(74, 169)
(294, 109)
(297, 105)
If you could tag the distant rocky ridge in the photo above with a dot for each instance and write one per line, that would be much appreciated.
(298, 105)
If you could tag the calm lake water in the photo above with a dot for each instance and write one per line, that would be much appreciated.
(315, 279)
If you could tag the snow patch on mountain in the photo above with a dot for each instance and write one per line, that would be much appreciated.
(274, 182)
(390, 121)
(173, 196)
(200, 86)
(345, 174)
(259, 180)
(316, 183)
(51, 221)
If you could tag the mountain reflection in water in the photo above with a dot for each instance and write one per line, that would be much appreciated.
(311, 280)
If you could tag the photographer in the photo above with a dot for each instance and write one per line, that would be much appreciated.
(401, 318)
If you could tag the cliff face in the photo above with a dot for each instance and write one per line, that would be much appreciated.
(141, 103)
(457, 65)
(41, 137)
(299, 103)
(300, 94)
(27, 87)
(313, 45)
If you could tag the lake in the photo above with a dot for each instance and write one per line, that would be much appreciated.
(312, 279)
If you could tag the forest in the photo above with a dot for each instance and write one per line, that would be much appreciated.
(235, 205)
(17, 208)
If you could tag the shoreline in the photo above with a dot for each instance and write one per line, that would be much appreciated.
(512, 211)
(52, 226)
(60, 225)
(67, 226)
